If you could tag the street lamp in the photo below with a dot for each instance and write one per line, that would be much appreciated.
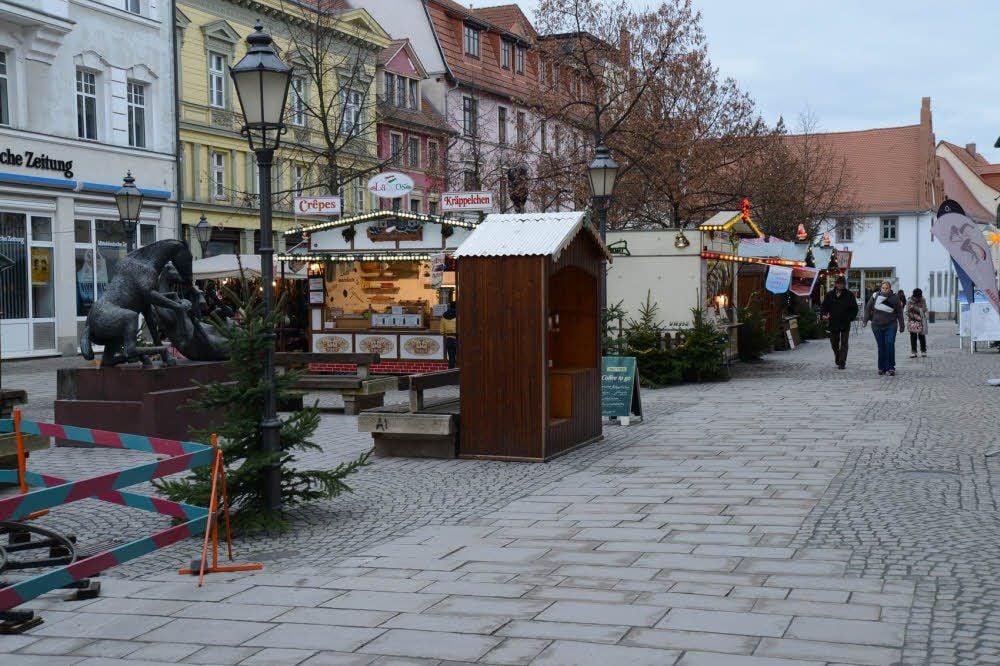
(261, 80)
(602, 172)
(203, 232)
(129, 200)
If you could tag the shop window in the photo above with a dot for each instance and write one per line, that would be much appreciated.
(41, 229)
(147, 234)
(413, 154)
(136, 114)
(81, 231)
(889, 228)
(4, 90)
(43, 291)
(13, 281)
(86, 104)
(217, 79)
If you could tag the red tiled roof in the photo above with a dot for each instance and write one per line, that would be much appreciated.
(509, 18)
(387, 54)
(974, 161)
(888, 167)
(955, 188)
(484, 72)
(425, 117)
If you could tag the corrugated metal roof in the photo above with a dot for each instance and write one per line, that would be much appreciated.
(524, 234)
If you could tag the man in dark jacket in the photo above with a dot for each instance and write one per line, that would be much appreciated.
(839, 309)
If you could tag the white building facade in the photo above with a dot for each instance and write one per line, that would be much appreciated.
(86, 94)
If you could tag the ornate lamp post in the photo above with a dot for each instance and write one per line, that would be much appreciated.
(261, 80)
(203, 232)
(602, 171)
(129, 200)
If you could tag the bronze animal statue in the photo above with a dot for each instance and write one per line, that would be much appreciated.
(113, 321)
(196, 339)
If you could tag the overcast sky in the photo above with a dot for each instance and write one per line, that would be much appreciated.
(858, 64)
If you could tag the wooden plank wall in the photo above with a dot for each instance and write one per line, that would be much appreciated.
(502, 306)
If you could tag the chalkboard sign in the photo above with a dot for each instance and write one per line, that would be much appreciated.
(620, 388)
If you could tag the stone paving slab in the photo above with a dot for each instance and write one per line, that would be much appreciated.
(795, 515)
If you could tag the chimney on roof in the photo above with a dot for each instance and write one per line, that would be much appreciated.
(971, 149)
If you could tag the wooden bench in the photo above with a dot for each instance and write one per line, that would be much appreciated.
(360, 391)
(420, 428)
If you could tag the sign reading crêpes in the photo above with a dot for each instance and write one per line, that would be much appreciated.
(390, 185)
(317, 206)
(467, 201)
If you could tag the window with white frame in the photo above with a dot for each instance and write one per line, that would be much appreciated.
(469, 112)
(931, 285)
(359, 192)
(844, 231)
(471, 41)
(505, 54)
(350, 101)
(86, 104)
(414, 206)
(396, 149)
(413, 94)
(557, 139)
(522, 123)
(413, 153)
(136, 114)
(4, 90)
(298, 108)
(218, 175)
(519, 60)
(298, 178)
(132, 6)
(889, 229)
(216, 79)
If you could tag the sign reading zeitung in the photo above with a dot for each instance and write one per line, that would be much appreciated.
(317, 206)
(467, 201)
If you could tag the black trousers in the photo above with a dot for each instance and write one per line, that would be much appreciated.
(451, 349)
(913, 342)
(838, 340)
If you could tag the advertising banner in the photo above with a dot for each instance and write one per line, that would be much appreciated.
(779, 278)
(467, 201)
(965, 243)
(305, 206)
(390, 185)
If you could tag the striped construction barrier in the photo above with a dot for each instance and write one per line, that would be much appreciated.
(54, 491)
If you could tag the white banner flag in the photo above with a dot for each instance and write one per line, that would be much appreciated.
(965, 243)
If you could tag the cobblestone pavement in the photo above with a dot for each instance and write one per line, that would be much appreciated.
(797, 514)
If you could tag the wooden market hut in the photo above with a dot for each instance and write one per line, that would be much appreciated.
(529, 336)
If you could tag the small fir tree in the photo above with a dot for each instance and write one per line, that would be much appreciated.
(241, 401)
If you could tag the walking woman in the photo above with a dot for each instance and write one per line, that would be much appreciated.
(916, 322)
(885, 313)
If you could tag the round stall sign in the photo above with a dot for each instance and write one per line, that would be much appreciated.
(390, 185)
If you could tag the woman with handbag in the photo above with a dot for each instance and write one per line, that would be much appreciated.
(916, 322)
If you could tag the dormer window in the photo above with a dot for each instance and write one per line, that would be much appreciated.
(519, 60)
(401, 92)
(505, 54)
(471, 41)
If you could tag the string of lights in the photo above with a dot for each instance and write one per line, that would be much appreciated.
(750, 260)
(381, 215)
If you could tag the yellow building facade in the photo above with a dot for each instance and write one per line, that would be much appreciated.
(219, 178)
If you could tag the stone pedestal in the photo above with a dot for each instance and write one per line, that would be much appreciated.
(143, 401)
